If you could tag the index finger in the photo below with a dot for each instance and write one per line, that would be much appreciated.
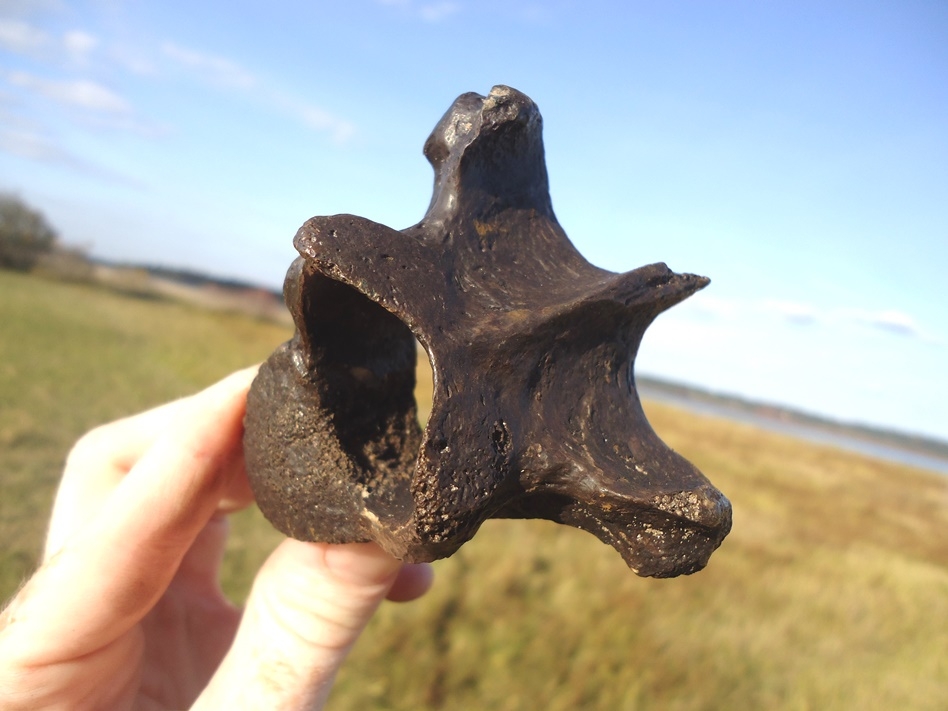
(102, 458)
(117, 565)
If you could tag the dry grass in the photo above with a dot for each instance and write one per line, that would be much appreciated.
(73, 356)
(830, 593)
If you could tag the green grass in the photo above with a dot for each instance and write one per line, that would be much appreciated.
(74, 356)
(830, 593)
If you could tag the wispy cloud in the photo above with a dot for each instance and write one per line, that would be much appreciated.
(897, 322)
(21, 37)
(35, 145)
(25, 8)
(804, 314)
(228, 74)
(211, 68)
(321, 120)
(313, 117)
(71, 48)
(95, 105)
(792, 311)
(714, 307)
(91, 104)
(79, 45)
(437, 12)
(432, 12)
(80, 93)
(890, 320)
(133, 61)
(536, 14)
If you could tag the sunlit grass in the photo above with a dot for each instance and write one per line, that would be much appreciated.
(73, 356)
(830, 593)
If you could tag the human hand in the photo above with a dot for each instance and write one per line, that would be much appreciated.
(126, 611)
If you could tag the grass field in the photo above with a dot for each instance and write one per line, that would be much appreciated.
(830, 593)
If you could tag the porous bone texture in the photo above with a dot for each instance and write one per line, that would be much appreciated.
(535, 413)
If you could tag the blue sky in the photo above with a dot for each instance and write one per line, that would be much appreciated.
(795, 152)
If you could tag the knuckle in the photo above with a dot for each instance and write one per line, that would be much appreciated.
(92, 445)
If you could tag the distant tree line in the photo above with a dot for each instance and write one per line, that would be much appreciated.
(25, 235)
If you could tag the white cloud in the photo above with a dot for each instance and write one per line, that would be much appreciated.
(226, 73)
(536, 14)
(79, 44)
(80, 93)
(29, 7)
(21, 37)
(133, 61)
(428, 12)
(896, 321)
(209, 67)
(33, 144)
(716, 307)
(799, 313)
(104, 108)
(94, 106)
(321, 120)
(438, 11)
(792, 311)
(128, 123)
(890, 320)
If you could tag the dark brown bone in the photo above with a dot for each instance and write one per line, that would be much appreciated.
(535, 412)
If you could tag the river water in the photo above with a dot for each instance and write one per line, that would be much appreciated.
(810, 433)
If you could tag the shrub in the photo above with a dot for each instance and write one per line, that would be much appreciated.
(24, 234)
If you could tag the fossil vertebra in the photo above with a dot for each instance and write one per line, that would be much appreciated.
(535, 412)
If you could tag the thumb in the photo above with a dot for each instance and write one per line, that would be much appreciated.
(308, 605)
